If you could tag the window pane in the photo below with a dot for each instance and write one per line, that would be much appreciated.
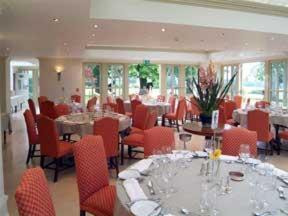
(92, 80)
(115, 80)
(172, 79)
(228, 72)
(190, 73)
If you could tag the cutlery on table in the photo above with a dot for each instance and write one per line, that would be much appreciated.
(151, 187)
(284, 211)
(262, 213)
(281, 193)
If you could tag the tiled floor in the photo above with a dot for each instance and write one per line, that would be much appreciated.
(64, 192)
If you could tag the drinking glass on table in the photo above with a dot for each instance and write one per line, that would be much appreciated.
(208, 146)
(244, 152)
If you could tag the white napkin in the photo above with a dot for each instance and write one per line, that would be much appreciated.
(228, 158)
(142, 165)
(128, 174)
(279, 172)
(201, 153)
(253, 161)
(134, 190)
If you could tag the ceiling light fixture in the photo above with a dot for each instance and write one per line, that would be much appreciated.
(93, 35)
(163, 29)
(7, 49)
(56, 20)
(272, 38)
(246, 44)
(65, 44)
(95, 26)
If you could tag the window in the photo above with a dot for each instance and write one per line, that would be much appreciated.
(172, 72)
(228, 72)
(190, 73)
(253, 81)
(115, 80)
(142, 77)
(278, 82)
(92, 81)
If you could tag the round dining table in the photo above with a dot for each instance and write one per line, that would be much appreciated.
(82, 123)
(161, 108)
(188, 185)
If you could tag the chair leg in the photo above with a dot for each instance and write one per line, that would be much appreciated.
(82, 213)
(163, 120)
(130, 151)
(56, 169)
(122, 153)
(116, 165)
(177, 124)
(29, 154)
(271, 147)
(33, 151)
(42, 160)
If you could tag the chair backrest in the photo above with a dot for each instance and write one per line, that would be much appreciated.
(234, 137)
(120, 105)
(111, 107)
(238, 101)
(32, 195)
(62, 109)
(108, 129)
(109, 99)
(91, 104)
(258, 121)
(76, 98)
(161, 98)
(48, 109)
(222, 116)
(31, 127)
(262, 104)
(32, 108)
(156, 138)
(172, 101)
(181, 109)
(48, 136)
(152, 118)
(229, 107)
(41, 99)
(91, 166)
(140, 117)
(134, 104)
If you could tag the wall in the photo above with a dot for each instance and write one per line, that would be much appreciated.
(3, 83)
(71, 77)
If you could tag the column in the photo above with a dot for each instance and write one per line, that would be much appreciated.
(163, 87)
(104, 83)
(3, 197)
(126, 82)
(267, 81)
(181, 80)
(35, 84)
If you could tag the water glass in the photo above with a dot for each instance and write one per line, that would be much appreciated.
(244, 152)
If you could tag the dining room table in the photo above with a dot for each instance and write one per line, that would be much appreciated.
(82, 123)
(143, 188)
(160, 108)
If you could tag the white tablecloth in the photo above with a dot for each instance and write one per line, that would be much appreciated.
(82, 123)
(240, 116)
(160, 107)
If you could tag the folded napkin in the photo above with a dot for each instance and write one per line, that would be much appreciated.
(201, 153)
(142, 165)
(133, 189)
(228, 158)
(252, 161)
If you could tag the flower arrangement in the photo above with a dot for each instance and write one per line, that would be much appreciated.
(208, 91)
(215, 155)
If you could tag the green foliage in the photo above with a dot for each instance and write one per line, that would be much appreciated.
(260, 72)
(144, 72)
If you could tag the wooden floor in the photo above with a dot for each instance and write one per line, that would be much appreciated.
(65, 192)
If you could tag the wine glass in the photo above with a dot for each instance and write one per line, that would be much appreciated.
(244, 152)
(209, 146)
(185, 137)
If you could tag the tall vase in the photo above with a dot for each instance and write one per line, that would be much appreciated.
(206, 120)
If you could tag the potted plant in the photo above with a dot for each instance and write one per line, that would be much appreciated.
(208, 92)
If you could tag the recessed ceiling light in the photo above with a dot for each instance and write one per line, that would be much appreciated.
(65, 44)
(7, 49)
(246, 43)
(272, 38)
(93, 35)
(95, 26)
(163, 29)
(56, 19)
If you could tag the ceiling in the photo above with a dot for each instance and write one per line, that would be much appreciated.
(27, 29)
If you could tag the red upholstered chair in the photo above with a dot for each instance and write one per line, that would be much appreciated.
(76, 98)
(234, 137)
(32, 108)
(41, 99)
(121, 108)
(134, 104)
(283, 135)
(258, 121)
(178, 115)
(96, 195)
(262, 104)
(32, 134)
(157, 137)
(91, 104)
(62, 109)
(238, 101)
(152, 118)
(172, 102)
(32, 195)
(50, 145)
(108, 129)
(109, 99)
(140, 117)
(161, 98)
(192, 109)
(111, 107)
(48, 109)
(229, 107)
(222, 116)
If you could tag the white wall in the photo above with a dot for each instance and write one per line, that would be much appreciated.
(70, 80)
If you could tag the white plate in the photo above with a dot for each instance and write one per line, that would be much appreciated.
(128, 174)
(145, 208)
